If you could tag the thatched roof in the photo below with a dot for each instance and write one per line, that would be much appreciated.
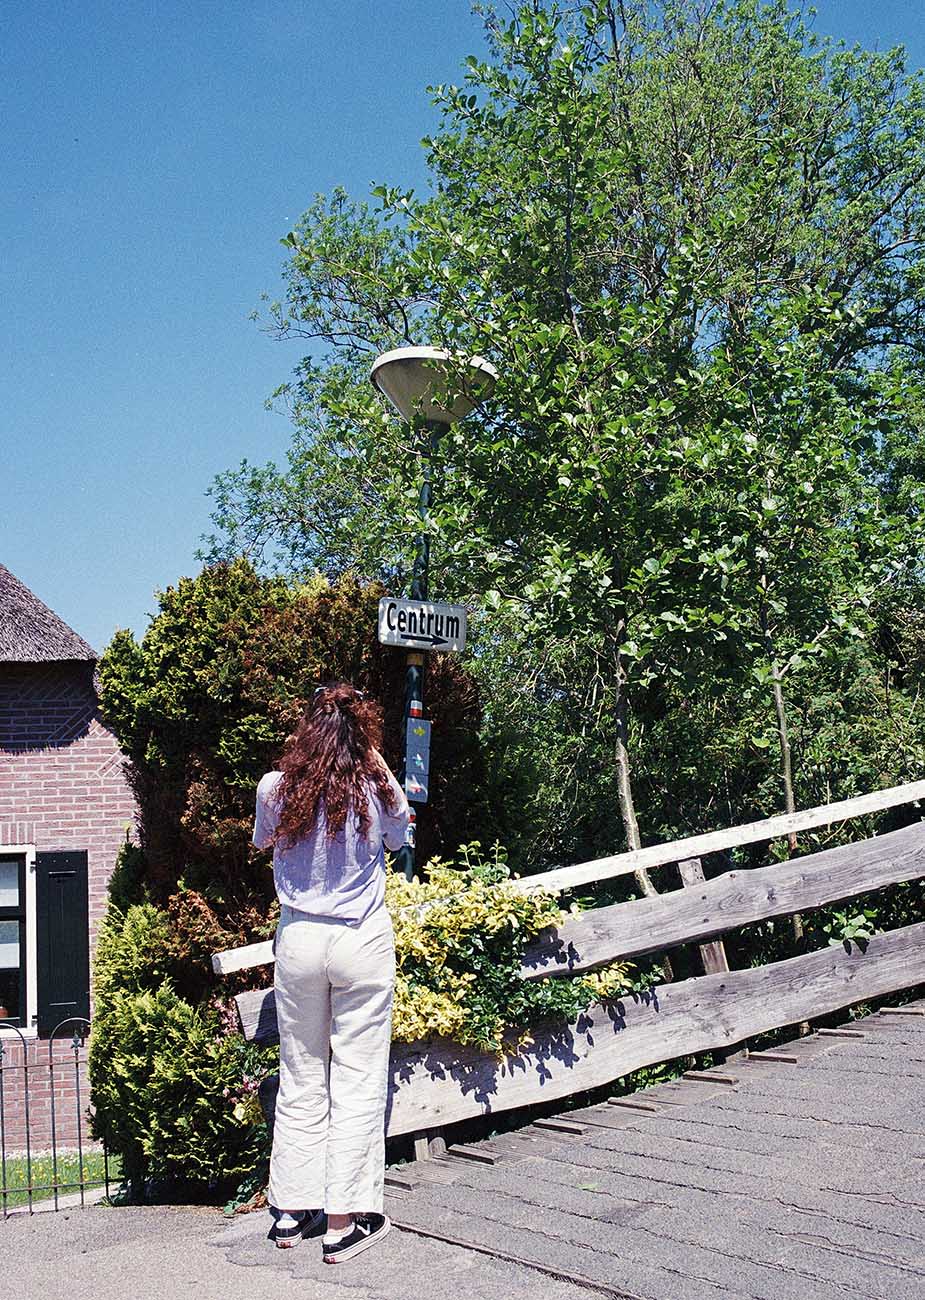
(30, 632)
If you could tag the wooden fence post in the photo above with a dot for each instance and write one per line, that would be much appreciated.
(428, 1143)
(712, 954)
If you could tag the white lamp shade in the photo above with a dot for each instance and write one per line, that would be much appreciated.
(410, 377)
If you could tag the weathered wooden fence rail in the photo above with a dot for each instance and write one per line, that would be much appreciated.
(727, 902)
(438, 1083)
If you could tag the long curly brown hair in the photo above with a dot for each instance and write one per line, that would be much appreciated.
(330, 761)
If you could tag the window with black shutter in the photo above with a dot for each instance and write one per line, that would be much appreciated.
(63, 938)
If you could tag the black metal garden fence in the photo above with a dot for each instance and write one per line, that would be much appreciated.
(46, 1152)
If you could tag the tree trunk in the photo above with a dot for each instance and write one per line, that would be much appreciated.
(783, 738)
(627, 806)
(625, 794)
(786, 769)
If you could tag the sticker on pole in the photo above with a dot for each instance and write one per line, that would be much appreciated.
(416, 788)
(418, 625)
(417, 759)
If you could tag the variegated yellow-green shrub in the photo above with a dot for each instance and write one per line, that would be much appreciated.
(459, 939)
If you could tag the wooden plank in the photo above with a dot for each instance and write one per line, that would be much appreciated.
(773, 1058)
(252, 954)
(482, 1153)
(735, 898)
(559, 1125)
(687, 1093)
(257, 1014)
(479, 1247)
(439, 1171)
(710, 1076)
(601, 1117)
(527, 1143)
(840, 1033)
(713, 955)
(629, 1103)
(698, 846)
(429, 1145)
(558, 1137)
(442, 1083)
(399, 1177)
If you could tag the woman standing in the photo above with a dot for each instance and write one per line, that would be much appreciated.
(326, 812)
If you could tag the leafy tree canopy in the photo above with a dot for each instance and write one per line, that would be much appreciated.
(690, 238)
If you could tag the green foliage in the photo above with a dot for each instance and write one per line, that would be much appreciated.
(459, 943)
(847, 927)
(203, 704)
(172, 1089)
(162, 1099)
(691, 241)
(127, 882)
(132, 951)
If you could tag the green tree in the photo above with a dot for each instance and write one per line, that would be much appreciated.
(690, 238)
(204, 702)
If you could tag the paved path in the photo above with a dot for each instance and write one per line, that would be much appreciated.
(769, 1180)
(185, 1253)
(763, 1180)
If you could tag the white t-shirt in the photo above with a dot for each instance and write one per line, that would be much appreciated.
(342, 877)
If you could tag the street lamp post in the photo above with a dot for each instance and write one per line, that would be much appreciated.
(431, 390)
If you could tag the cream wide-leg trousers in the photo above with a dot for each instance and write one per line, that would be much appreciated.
(334, 985)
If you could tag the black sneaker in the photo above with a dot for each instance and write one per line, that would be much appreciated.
(366, 1231)
(305, 1225)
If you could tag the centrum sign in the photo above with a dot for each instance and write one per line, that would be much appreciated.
(419, 625)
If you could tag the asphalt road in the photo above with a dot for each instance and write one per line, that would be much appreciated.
(167, 1253)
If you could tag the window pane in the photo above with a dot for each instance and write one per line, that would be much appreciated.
(9, 882)
(9, 945)
(9, 995)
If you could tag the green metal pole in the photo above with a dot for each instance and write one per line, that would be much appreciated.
(415, 660)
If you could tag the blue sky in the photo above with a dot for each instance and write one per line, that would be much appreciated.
(153, 155)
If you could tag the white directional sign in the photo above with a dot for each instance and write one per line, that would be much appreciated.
(418, 625)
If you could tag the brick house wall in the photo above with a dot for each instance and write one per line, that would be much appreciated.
(48, 1070)
(62, 786)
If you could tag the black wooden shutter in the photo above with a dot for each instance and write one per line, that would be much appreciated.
(63, 938)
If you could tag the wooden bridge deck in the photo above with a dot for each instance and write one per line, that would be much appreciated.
(765, 1179)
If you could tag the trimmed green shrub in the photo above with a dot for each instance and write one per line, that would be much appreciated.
(174, 1086)
(203, 703)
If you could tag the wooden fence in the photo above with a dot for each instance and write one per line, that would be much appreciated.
(437, 1083)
